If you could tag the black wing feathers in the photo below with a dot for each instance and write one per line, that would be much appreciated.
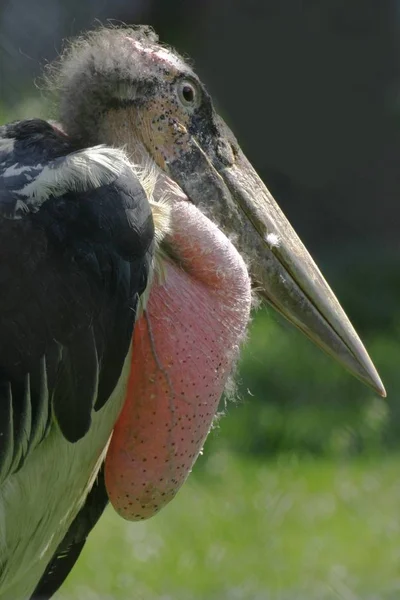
(6, 428)
(70, 277)
(75, 391)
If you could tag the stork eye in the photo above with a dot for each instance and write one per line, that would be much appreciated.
(188, 93)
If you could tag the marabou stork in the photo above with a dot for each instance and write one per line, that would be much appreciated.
(132, 233)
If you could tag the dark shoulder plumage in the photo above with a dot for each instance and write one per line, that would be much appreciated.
(76, 244)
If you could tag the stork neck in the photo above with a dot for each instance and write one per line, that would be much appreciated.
(205, 253)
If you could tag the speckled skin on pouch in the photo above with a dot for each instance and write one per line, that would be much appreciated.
(185, 349)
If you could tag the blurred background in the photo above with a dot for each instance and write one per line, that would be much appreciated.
(297, 495)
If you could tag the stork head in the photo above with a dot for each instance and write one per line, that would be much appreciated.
(121, 86)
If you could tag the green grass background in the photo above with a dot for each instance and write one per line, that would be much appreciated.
(244, 529)
(297, 495)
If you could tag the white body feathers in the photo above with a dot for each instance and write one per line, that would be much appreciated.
(39, 502)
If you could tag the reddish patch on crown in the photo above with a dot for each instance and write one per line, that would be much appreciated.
(156, 54)
(184, 348)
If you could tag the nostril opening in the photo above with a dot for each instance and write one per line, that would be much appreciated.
(226, 152)
(235, 150)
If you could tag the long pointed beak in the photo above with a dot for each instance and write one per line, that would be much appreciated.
(281, 268)
(290, 280)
